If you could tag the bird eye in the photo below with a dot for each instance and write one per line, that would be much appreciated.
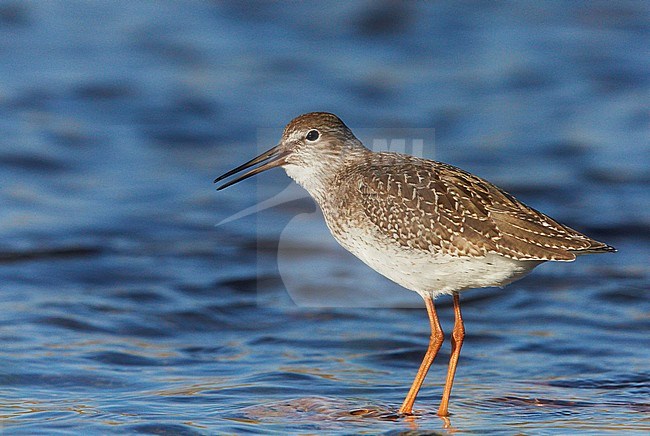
(312, 135)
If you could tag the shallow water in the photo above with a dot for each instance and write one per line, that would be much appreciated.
(125, 309)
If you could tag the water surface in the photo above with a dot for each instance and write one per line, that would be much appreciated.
(125, 310)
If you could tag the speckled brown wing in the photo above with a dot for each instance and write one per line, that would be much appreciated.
(437, 207)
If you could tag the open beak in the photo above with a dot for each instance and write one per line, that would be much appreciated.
(272, 158)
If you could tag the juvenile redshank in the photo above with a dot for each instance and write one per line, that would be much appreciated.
(428, 226)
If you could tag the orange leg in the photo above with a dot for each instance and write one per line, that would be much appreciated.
(435, 341)
(457, 337)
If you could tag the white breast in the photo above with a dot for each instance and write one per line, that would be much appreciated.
(429, 273)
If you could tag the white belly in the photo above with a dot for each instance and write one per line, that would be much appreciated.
(428, 273)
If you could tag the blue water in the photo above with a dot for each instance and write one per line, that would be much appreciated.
(125, 308)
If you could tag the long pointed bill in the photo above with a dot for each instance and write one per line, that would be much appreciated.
(269, 159)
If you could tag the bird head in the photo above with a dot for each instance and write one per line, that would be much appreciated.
(311, 145)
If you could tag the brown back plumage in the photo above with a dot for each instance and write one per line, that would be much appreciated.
(433, 206)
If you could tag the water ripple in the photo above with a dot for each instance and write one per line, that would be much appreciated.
(124, 309)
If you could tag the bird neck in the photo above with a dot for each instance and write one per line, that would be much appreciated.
(317, 174)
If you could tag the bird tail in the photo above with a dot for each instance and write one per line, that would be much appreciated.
(596, 247)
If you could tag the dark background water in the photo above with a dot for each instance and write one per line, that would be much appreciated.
(123, 308)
